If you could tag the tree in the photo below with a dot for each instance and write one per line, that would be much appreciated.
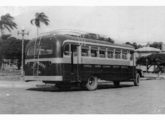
(40, 18)
(157, 59)
(11, 49)
(2, 39)
(5, 36)
(134, 44)
(110, 40)
(7, 22)
(157, 45)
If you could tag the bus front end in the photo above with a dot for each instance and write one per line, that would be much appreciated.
(43, 61)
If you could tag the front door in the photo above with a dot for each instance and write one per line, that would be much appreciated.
(75, 62)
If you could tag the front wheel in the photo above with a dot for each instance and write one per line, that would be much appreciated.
(137, 80)
(92, 83)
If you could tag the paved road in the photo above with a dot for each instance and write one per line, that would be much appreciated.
(18, 97)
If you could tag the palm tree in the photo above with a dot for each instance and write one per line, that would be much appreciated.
(40, 18)
(7, 22)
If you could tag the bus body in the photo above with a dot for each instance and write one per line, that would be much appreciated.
(63, 59)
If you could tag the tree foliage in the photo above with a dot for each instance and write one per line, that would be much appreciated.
(11, 49)
(40, 18)
(7, 22)
(134, 44)
(5, 36)
(153, 59)
(157, 45)
(157, 59)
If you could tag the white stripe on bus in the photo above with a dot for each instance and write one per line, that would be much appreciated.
(43, 78)
(53, 60)
(84, 60)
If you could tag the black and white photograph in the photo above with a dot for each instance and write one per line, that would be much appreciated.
(64, 59)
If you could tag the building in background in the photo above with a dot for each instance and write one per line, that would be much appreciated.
(145, 51)
(163, 48)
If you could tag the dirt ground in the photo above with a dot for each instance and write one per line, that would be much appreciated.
(19, 97)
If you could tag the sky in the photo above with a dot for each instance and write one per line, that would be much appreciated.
(141, 24)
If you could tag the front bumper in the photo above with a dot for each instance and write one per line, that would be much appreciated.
(43, 78)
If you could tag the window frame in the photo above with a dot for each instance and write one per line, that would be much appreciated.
(87, 52)
(124, 54)
(110, 50)
(102, 50)
(69, 52)
(117, 56)
(94, 48)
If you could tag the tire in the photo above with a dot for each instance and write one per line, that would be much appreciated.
(116, 83)
(92, 83)
(137, 80)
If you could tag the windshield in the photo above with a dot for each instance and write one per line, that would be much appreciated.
(40, 48)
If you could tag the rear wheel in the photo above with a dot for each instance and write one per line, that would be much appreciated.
(116, 83)
(92, 83)
(137, 80)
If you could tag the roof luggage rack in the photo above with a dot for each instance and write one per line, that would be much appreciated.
(78, 33)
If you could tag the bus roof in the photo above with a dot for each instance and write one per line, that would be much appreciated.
(83, 37)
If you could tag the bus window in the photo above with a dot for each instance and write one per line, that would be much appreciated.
(117, 53)
(102, 53)
(110, 53)
(30, 51)
(46, 49)
(74, 50)
(85, 51)
(124, 54)
(94, 51)
(67, 49)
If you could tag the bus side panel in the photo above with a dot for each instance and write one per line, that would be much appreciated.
(79, 73)
(132, 72)
(44, 68)
(117, 73)
(90, 70)
(85, 71)
(67, 74)
(126, 73)
(71, 73)
(108, 73)
(104, 72)
(111, 73)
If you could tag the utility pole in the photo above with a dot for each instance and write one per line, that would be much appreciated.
(22, 33)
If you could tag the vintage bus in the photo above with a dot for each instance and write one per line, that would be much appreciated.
(64, 59)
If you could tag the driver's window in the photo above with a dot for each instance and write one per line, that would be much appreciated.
(67, 50)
